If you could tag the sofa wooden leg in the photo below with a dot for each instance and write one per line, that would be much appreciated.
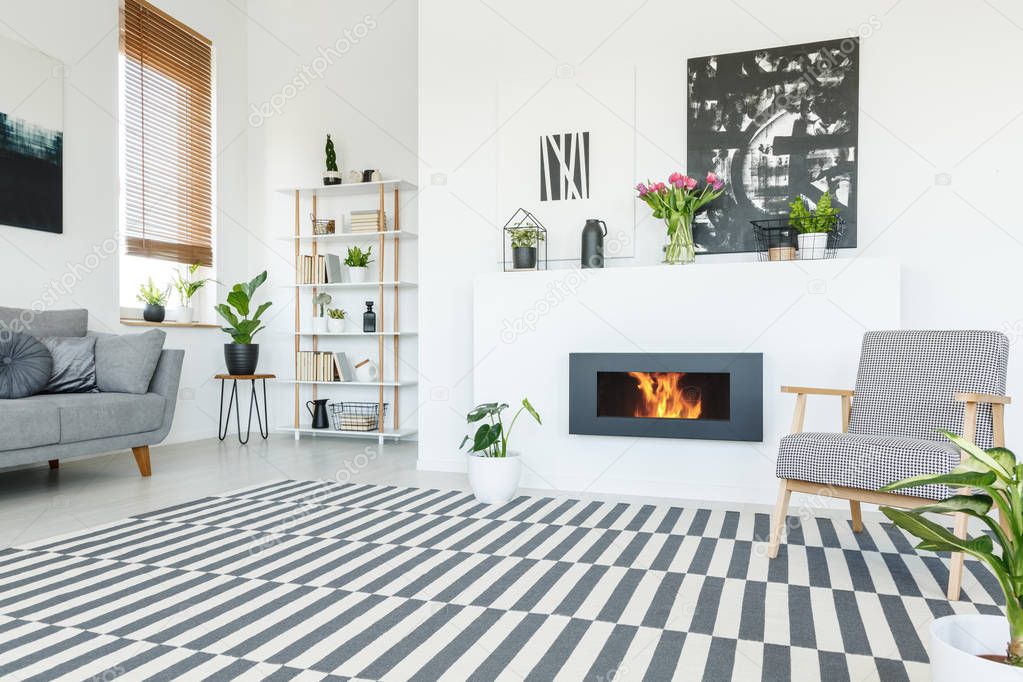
(857, 516)
(142, 459)
(781, 509)
(955, 571)
(54, 463)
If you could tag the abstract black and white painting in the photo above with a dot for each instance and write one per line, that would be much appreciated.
(774, 124)
(31, 140)
(564, 166)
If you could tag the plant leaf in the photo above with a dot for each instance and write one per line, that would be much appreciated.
(976, 451)
(969, 479)
(1004, 457)
(239, 300)
(939, 536)
(976, 505)
(529, 408)
(261, 309)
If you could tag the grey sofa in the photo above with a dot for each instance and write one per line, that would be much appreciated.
(48, 428)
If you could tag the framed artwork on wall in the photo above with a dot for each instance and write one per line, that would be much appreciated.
(774, 124)
(31, 138)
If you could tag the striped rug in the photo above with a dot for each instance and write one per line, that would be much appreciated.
(313, 580)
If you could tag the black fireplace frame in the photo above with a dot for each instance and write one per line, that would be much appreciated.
(745, 380)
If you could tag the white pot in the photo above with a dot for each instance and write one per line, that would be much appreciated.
(956, 641)
(186, 315)
(494, 480)
(812, 245)
(358, 275)
(319, 325)
(335, 326)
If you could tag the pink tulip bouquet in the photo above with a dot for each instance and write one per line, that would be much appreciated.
(677, 202)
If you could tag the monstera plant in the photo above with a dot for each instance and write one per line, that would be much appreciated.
(242, 355)
(494, 470)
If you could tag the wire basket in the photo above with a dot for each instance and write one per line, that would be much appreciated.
(777, 239)
(322, 225)
(353, 416)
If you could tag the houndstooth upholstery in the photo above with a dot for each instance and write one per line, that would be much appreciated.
(865, 462)
(907, 381)
(905, 395)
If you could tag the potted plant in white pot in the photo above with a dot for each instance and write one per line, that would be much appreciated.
(155, 300)
(187, 288)
(814, 226)
(320, 303)
(358, 262)
(967, 647)
(336, 320)
(241, 355)
(494, 470)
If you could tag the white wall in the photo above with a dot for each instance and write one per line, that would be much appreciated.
(937, 97)
(55, 269)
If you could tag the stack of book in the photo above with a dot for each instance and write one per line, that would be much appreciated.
(367, 221)
(325, 269)
(322, 366)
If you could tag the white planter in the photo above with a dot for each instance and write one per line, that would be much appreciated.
(185, 315)
(319, 325)
(358, 275)
(494, 480)
(335, 326)
(812, 245)
(956, 641)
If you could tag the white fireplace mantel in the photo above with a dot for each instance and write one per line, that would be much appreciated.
(806, 317)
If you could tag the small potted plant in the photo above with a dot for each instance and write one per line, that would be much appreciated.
(155, 300)
(358, 262)
(187, 288)
(524, 239)
(336, 320)
(494, 470)
(813, 226)
(241, 355)
(320, 303)
(967, 647)
(331, 176)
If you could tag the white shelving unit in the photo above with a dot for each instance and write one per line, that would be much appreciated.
(387, 243)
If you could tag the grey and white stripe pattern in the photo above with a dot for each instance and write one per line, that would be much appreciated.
(315, 580)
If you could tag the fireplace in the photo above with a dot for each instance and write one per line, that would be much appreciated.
(716, 396)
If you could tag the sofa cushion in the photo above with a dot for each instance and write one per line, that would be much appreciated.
(27, 425)
(25, 365)
(125, 363)
(85, 416)
(74, 364)
(45, 323)
(865, 462)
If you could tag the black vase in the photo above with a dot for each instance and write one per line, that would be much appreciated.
(241, 358)
(154, 313)
(523, 257)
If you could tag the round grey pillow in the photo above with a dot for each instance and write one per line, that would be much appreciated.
(25, 365)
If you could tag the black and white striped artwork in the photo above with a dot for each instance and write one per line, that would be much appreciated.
(565, 166)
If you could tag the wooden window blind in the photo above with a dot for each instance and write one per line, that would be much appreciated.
(168, 136)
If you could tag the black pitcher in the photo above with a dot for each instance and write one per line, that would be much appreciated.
(593, 243)
(319, 413)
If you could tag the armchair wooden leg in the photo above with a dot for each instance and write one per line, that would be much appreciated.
(142, 460)
(955, 571)
(781, 509)
(54, 463)
(857, 516)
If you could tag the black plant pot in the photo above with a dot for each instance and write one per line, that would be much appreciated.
(154, 313)
(524, 257)
(241, 358)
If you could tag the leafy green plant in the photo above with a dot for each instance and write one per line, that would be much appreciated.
(243, 328)
(491, 439)
(321, 301)
(527, 236)
(821, 219)
(150, 295)
(985, 479)
(186, 286)
(331, 155)
(357, 258)
(336, 314)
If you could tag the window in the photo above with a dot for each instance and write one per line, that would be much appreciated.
(166, 145)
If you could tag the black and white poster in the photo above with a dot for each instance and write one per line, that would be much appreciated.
(564, 166)
(31, 141)
(774, 124)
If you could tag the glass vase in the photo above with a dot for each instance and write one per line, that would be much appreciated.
(680, 249)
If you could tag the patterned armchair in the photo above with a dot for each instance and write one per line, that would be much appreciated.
(909, 386)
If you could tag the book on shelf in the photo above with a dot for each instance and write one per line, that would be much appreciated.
(324, 366)
(313, 270)
(332, 268)
(343, 367)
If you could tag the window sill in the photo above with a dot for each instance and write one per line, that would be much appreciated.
(181, 325)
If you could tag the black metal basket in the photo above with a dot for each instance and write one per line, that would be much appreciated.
(777, 240)
(354, 416)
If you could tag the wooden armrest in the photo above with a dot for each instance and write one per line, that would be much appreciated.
(983, 398)
(806, 390)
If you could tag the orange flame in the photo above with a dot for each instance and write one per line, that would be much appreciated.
(664, 396)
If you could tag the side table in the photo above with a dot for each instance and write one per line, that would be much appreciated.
(223, 422)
